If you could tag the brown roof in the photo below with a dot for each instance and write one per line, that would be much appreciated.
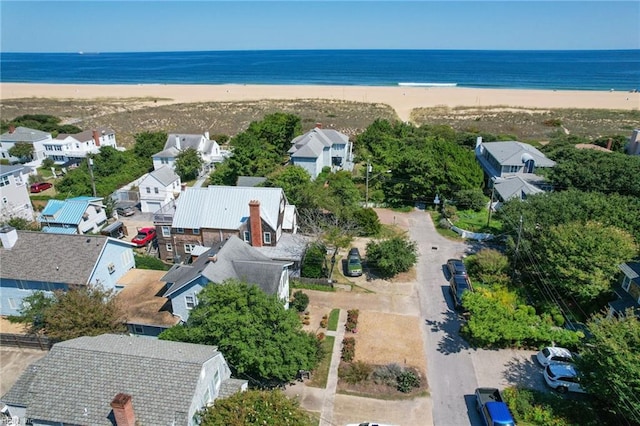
(141, 301)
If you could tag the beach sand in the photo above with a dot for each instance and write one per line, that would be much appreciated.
(402, 99)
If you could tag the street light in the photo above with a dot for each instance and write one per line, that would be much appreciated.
(366, 196)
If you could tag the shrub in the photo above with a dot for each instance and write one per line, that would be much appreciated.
(407, 381)
(444, 224)
(324, 321)
(367, 221)
(387, 374)
(314, 262)
(392, 256)
(150, 262)
(320, 336)
(450, 212)
(355, 373)
(348, 349)
(300, 301)
(472, 199)
(352, 320)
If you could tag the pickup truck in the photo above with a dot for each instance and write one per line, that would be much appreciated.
(492, 408)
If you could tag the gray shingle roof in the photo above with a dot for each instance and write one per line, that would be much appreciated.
(62, 258)
(165, 175)
(24, 134)
(186, 141)
(231, 387)
(513, 186)
(86, 135)
(78, 379)
(250, 181)
(225, 207)
(235, 259)
(168, 153)
(9, 170)
(19, 392)
(510, 153)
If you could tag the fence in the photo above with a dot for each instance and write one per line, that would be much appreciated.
(26, 341)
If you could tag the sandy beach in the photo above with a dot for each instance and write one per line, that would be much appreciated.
(401, 99)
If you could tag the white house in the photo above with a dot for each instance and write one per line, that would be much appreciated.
(320, 148)
(209, 150)
(158, 188)
(14, 194)
(67, 147)
(17, 135)
(79, 215)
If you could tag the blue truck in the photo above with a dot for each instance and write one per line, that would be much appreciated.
(493, 410)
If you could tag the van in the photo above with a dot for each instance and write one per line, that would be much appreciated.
(354, 263)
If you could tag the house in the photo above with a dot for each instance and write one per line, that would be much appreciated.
(503, 159)
(209, 150)
(514, 187)
(633, 146)
(320, 148)
(120, 380)
(231, 258)
(17, 135)
(14, 194)
(69, 147)
(208, 216)
(79, 215)
(628, 292)
(37, 261)
(158, 188)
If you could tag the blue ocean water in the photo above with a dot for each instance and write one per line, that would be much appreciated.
(579, 70)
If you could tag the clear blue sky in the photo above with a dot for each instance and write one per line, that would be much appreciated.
(124, 26)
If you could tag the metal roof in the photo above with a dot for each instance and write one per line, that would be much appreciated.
(514, 186)
(165, 175)
(225, 207)
(76, 381)
(69, 211)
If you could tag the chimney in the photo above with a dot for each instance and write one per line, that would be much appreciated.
(12, 128)
(206, 135)
(123, 410)
(255, 223)
(212, 258)
(318, 125)
(609, 143)
(96, 137)
(478, 141)
(8, 237)
(178, 142)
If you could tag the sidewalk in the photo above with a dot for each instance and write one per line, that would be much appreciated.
(326, 415)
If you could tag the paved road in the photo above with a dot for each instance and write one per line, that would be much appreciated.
(454, 369)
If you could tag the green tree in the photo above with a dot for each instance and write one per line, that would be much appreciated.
(390, 257)
(188, 164)
(472, 199)
(300, 301)
(368, 222)
(147, 144)
(314, 264)
(255, 407)
(610, 364)
(32, 312)
(23, 224)
(581, 259)
(22, 150)
(490, 266)
(260, 339)
(296, 184)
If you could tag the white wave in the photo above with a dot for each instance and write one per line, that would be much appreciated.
(429, 84)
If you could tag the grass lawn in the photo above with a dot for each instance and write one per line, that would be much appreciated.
(473, 221)
(307, 286)
(320, 374)
(333, 320)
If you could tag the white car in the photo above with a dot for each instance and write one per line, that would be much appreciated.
(554, 354)
(562, 377)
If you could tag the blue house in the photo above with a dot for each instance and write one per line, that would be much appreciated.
(33, 261)
(79, 215)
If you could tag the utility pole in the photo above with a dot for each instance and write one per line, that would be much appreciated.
(519, 236)
(490, 205)
(93, 182)
(366, 196)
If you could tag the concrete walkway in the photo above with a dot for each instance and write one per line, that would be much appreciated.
(326, 415)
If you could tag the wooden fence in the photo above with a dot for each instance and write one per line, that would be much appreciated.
(26, 341)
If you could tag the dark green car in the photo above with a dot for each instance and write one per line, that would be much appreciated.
(354, 263)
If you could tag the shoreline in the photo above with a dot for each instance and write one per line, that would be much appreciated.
(403, 99)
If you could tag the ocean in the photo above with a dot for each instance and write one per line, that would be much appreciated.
(557, 70)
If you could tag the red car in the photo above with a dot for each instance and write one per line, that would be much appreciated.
(144, 237)
(39, 187)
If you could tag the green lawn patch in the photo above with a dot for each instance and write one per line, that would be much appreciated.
(473, 221)
(309, 286)
(333, 320)
(321, 373)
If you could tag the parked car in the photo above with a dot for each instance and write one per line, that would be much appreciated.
(492, 408)
(554, 354)
(354, 263)
(458, 285)
(144, 237)
(125, 211)
(563, 377)
(39, 187)
(456, 267)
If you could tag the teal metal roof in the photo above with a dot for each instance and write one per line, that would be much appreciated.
(59, 230)
(67, 212)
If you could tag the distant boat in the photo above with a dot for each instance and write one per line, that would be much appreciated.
(429, 84)
(81, 53)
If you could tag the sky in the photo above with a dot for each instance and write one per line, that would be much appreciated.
(146, 26)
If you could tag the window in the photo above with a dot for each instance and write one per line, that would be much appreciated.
(169, 247)
(166, 231)
(155, 190)
(12, 303)
(111, 267)
(267, 237)
(189, 247)
(138, 329)
(148, 190)
(626, 283)
(180, 230)
(190, 301)
(4, 181)
(127, 258)
(196, 231)
(4, 200)
(247, 236)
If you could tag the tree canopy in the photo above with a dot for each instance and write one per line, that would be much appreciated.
(260, 339)
(147, 144)
(22, 151)
(255, 407)
(43, 122)
(392, 256)
(188, 164)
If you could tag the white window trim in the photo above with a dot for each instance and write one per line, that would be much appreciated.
(190, 299)
(246, 236)
(626, 283)
(266, 237)
(168, 231)
(169, 247)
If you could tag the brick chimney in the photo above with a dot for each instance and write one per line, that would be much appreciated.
(609, 143)
(255, 223)
(96, 137)
(12, 128)
(123, 410)
(318, 125)
(8, 237)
